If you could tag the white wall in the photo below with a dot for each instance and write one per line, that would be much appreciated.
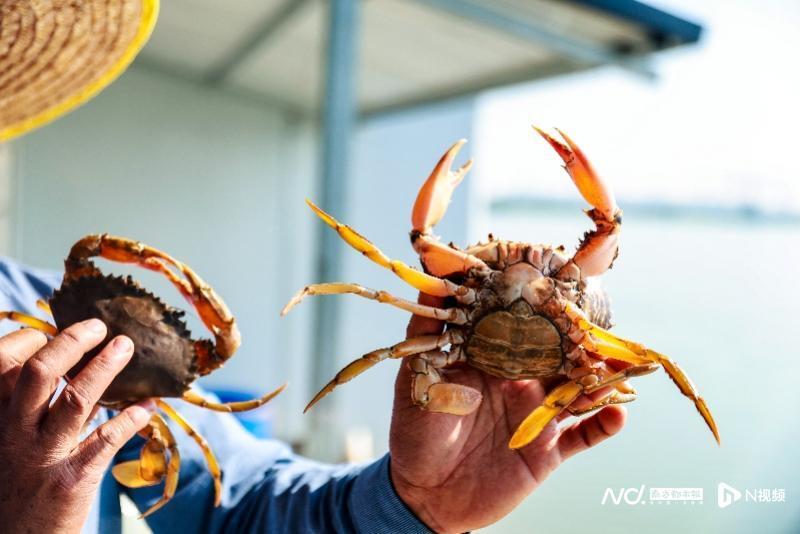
(210, 179)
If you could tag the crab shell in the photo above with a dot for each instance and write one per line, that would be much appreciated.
(517, 327)
(164, 363)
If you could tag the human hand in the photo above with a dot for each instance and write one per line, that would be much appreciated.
(49, 476)
(456, 473)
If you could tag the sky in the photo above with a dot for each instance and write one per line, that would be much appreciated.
(716, 128)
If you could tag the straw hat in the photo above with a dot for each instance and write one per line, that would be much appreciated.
(57, 54)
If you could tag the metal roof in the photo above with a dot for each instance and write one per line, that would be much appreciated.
(409, 51)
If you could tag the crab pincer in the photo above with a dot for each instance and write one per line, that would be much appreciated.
(429, 208)
(599, 248)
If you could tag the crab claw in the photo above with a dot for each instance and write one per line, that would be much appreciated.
(435, 194)
(597, 251)
(429, 208)
(591, 187)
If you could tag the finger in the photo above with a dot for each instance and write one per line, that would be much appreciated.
(418, 326)
(94, 454)
(76, 402)
(591, 431)
(40, 374)
(15, 349)
(585, 402)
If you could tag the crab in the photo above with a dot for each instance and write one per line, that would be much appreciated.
(513, 310)
(166, 360)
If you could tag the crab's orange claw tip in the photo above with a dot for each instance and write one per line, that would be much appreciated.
(562, 149)
(435, 193)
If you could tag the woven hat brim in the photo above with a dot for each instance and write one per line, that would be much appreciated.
(33, 94)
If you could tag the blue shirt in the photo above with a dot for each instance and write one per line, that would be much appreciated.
(266, 488)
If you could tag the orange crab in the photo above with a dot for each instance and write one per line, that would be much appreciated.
(166, 360)
(515, 310)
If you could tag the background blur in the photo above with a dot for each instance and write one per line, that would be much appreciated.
(208, 145)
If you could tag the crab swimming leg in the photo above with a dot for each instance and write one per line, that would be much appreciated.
(421, 281)
(429, 208)
(153, 466)
(607, 344)
(211, 460)
(451, 315)
(463, 397)
(559, 400)
(598, 249)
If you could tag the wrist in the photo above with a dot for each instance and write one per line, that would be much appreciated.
(415, 498)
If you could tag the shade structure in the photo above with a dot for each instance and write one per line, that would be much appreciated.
(410, 51)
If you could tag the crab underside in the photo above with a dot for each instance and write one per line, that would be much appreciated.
(513, 310)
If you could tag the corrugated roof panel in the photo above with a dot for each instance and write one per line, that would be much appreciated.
(196, 34)
(289, 66)
(409, 49)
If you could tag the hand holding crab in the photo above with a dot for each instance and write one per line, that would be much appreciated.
(439, 462)
(164, 359)
(50, 476)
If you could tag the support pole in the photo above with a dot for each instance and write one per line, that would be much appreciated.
(339, 118)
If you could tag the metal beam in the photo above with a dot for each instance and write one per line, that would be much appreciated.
(339, 116)
(263, 32)
(570, 48)
(660, 25)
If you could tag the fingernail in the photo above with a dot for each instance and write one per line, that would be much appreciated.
(123, 344)
(148, 405)
(139, 414)
(96, 326)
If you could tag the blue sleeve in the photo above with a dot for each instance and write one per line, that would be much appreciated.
(267, 488)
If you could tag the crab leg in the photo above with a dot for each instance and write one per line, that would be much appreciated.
(409, 347)
(44, 306)
(416, 279)
(210, 307)
(451, 315)
(614, 398)
(431, 393)
(553, 404)
(152, 466)
(598, 249)
(562, 396)
(607, 344)
(29, 320)
(429, 208)
(229, 407)
(211, 460)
